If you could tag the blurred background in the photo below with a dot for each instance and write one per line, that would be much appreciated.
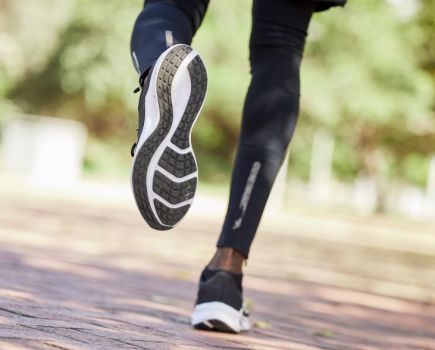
(352, 209)
(365, 141)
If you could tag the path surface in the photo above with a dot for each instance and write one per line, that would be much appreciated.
(82, 276)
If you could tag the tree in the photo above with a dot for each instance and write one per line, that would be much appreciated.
(363, 81)
(367, 76)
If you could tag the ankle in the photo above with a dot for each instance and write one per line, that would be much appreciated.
(228, 259)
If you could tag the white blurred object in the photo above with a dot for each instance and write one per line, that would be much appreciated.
(430, 190)
(319, 187)
(411, 202)
(364, 194)
(406, 8)
(48, 151)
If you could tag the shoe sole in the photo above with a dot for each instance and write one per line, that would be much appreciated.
(164, 174)
(218, 316)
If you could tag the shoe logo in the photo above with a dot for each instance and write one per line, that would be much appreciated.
(169, 38)
(135, 61)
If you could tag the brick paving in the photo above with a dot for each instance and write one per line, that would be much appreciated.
(81, 276)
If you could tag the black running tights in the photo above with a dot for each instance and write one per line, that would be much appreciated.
(271, 107)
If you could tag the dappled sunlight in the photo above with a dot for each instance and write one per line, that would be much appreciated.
(85, 272)
(65, 267)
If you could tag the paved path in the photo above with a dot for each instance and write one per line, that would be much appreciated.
(81, 276)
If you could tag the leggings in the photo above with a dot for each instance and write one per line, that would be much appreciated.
(271, 106)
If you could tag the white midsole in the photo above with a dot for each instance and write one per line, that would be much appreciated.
(215, 310)
(173, 178)
(180, 94)
(170, 205)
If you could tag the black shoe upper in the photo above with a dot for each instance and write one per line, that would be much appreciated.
(144, 85)
(222, 286)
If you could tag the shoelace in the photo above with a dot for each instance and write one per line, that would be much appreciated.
(133, 147)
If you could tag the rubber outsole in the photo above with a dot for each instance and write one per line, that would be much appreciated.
(175, 176)
(219, 316)
(216, 325)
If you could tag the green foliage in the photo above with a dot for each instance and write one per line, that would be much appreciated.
(361, 66)
(362, 79)
(414, 168)
(222, 41)
(426, 24)
(87, 76)
(368, 76)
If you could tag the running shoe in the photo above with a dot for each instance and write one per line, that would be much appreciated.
(219, 305)
(165, 174)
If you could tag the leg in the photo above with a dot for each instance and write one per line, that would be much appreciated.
(163, 23)
(269, 118)
(173, 82)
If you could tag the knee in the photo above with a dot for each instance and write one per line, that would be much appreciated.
(271, 70)
(270, 117)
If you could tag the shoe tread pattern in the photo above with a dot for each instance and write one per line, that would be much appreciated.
(217, 326)
(177, 164)
(170, 216)
(165, 77)
(174, 192)
(198, 78)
